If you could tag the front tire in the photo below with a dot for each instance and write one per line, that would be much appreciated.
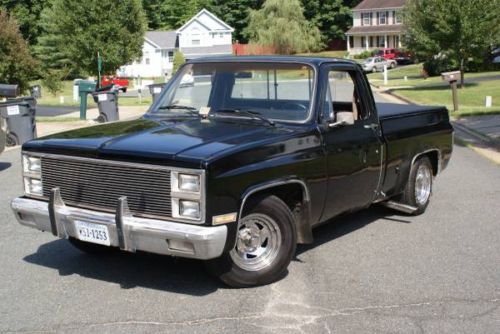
(265, 245)
(418, 190)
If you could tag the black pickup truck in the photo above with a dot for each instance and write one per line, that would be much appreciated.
(237, 168)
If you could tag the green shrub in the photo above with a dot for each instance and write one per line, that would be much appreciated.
(364, 54)
(438, 65)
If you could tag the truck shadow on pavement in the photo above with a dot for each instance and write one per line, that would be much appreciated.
(4, 165)
(177, 275)
(347, 223)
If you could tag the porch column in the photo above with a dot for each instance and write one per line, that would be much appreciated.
(348, 43)
(399, 41)
(385, 41)
(367, 43)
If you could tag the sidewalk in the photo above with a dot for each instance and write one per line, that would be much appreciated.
(61, 123)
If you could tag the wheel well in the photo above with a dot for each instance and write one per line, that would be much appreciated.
(434, 158)
(295, 196)
(291, 194)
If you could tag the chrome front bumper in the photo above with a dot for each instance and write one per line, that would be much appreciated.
(126, 232)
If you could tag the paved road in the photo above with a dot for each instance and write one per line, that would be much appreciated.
(54, 111)
(374, 271)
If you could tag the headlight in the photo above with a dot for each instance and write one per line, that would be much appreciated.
(32, 175)
(189, 209)
(32, 164)
(33, 186)
(188, 182)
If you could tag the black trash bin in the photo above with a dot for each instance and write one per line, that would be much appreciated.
(107, 102)
(36, 91)
(155, 90)
(19, 115)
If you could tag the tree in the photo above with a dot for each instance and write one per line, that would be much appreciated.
(178, 61)
(27, 14)
(17, 66)
(236, 14)
(332, 17)
(459, 29)
(74, 31)
(282, 25)
(172, 14)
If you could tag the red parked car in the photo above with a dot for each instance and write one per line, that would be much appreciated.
(401, 57)
(116, 82)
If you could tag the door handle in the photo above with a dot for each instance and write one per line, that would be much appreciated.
(372, 126)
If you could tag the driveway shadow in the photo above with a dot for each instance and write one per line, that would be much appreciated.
(345, 224)
(129, 270)
(4, 165)
(177, 275)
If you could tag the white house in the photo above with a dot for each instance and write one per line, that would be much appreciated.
(376, 24)
(203, 35)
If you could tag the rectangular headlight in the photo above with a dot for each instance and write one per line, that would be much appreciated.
(33, 186)
(189, 209)
(31, 164)
(189, 182)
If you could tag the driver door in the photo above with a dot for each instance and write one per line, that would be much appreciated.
(353, 150)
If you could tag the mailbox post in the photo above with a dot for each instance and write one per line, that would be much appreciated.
(452, 78)
(85, 87)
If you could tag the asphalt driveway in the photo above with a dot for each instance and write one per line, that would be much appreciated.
(373, 271)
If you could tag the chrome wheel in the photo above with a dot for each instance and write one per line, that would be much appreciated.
(423, 184)
(258, 242)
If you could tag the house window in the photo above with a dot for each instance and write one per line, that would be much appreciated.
(195, 42)
(363, 42)
(396, 41)
(366, 19)
(146, 58)
(380, 41)
(351, 41)
(382, 18)
(170, 56)
(221, 35)
(371, 41)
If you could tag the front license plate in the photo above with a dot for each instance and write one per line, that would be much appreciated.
(90, 232)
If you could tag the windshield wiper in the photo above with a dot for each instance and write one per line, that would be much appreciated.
(192, 110)
(249, 113)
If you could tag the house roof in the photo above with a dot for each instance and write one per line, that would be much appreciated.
(225, 26)
(369, 30)
(208, 50)
(162, 39)
(379, 4)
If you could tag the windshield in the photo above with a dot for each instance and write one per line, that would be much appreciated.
(369, 60)
(275, 91)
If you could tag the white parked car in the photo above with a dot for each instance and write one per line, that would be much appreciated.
(376, 64)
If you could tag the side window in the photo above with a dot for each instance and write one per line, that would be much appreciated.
(341, 100)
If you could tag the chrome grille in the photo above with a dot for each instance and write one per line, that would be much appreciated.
(99, 183)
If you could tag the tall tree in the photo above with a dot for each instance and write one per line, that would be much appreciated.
(77, 30)
(27, 14)
(282, 25)
(174, 13)
(17, 66)
(460, 29)
(331, 17)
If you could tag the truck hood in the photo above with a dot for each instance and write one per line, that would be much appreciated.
(161, 141)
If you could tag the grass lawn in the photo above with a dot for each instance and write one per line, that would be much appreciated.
(471, 98)
(414, 77)
(332, 54)
(67, 92)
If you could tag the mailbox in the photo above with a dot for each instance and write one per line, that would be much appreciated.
(451, 76)
(9, 90)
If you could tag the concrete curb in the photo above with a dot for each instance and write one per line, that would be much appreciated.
(487, 141)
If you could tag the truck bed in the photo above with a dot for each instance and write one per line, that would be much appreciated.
(408, 131)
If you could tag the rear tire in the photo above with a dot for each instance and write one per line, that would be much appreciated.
(90, 248)
(265, 245)
(11, 140)
(418, 189)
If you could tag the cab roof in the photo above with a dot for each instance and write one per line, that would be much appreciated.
(313, 61)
